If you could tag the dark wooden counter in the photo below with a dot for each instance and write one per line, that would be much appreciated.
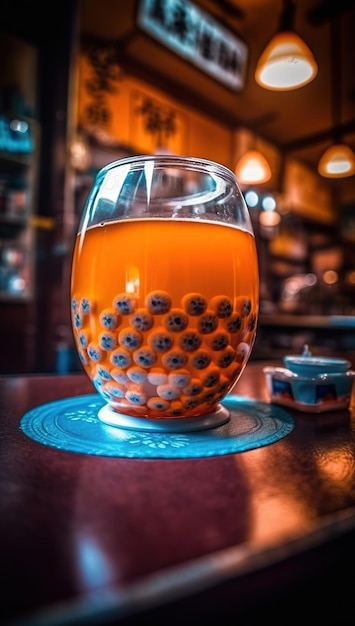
(268, 533)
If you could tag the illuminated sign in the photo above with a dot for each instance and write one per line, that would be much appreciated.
(197, 37)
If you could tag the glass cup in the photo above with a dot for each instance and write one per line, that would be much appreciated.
(164, 291)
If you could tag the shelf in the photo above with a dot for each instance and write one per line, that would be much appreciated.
(14, 220)
(342, 322)
(14, 298)
(18, 183)
(21, 160)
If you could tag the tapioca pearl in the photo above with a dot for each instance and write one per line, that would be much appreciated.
(190, 402)
(233, 371)
(137, 374)
(109, 319)
(95, 353)
(194, 387)
(103, 392)
(209, 397)
(222, 306)
(223, 386)
(136, 395)
(125, 303)
(207, 323)
(242, 351)
(180, 378)
(233, 324)
(225, 358)
(168, 392)
(141, 320)
(103, 372)
(98, 382)
(130, 338)
(115, 389)
(175, 409)
(219, 395)
(107, 340)
(251, 322)
(242, 305)
(218, 398)
(158, 404)
(194, 304)
(174, 359)
(87, 306)
(176, 320)
(250, 341)
(160, 341)
(121, 358)
(75, 304)
(83, 356)
(158, 302)
(218, 340)
(210, 377)
(200, 359)
(78, 320)
(144, 357)
(157, 376)
(189, 341)
(119, 375)
(84, 338)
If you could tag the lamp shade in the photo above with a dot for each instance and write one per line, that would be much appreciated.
(338, 161)
(286, 63)
(252, 168)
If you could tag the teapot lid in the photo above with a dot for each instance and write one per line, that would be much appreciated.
(308, 365)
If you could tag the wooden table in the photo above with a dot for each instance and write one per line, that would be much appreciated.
(233, 538)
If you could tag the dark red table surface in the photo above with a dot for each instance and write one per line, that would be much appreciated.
(99, 540)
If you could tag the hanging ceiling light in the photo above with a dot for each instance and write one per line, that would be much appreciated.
(252, 168)
(338, 161)
(287, 62)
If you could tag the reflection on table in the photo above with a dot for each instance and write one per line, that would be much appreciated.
(89, 538)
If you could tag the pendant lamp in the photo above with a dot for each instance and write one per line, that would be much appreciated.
(286, 63)
(252, 168)
(338, 161)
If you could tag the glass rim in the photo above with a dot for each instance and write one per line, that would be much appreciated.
(171, 160)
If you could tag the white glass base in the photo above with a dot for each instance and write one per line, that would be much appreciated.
(168, 424)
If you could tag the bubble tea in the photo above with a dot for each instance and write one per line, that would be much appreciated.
(164, 287)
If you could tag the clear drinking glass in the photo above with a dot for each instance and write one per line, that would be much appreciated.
(164, 291)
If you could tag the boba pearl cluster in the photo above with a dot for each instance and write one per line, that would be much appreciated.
(159, 360)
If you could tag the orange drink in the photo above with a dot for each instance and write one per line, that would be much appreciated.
(164, 312)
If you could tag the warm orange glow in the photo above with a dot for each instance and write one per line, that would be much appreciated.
(337, 162)
(330, 277)
(269, 218)
(350, 278)
(252, 168)
(286, 63)
(280, 515)
(337, 466)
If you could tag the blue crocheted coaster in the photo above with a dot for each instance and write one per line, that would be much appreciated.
(73, 425)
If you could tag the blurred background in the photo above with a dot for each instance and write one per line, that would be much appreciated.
(86, 82)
